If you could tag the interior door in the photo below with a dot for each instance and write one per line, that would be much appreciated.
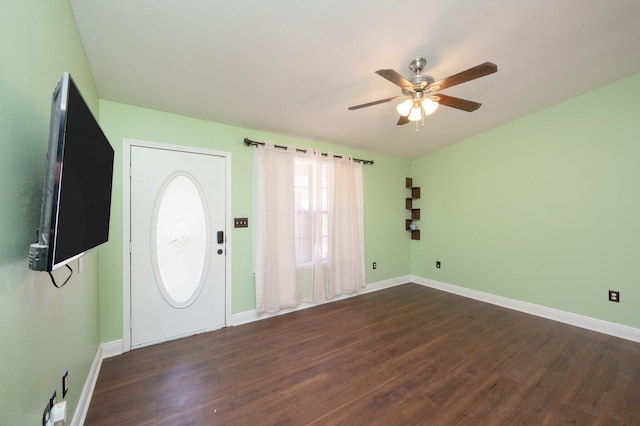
(178, 240)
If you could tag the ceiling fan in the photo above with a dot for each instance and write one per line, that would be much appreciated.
(418, 91)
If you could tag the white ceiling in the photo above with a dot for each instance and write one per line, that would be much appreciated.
(293, 67)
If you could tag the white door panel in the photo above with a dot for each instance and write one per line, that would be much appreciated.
(177, 263)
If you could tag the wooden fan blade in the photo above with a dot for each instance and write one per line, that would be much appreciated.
(381, 101)
(464, 76)
(396, 79)
(402, 120)
(457, 103)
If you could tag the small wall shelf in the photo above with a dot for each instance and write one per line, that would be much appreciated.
(414, 212)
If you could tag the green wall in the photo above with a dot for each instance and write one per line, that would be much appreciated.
(386, 244)
(44, 331)
(544, 209)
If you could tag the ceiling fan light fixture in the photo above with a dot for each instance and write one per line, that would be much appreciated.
(416, 113)
(404, 108)
(429, 105)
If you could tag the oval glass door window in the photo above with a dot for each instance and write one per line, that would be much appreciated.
(180, 246)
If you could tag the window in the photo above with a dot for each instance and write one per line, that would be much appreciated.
(311, 212)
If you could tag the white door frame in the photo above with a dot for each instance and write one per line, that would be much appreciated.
(126, 228)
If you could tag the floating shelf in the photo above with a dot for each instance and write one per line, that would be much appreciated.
(414, 212)
(408, 182)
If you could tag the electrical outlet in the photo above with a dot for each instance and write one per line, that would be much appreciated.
(375, 265)
(241, 222)
(437, 264)
(53, 400)
(65, 383)
(614, 296)
(46, 414)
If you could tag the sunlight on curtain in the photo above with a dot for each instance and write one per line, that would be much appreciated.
(309, 227)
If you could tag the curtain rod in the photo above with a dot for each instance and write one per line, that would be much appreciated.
(249, 142)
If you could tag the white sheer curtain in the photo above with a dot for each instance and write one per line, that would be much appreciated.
(309, 227)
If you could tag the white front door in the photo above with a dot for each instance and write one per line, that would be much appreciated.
(178, 239)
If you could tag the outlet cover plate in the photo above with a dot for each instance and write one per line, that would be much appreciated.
(614, 296)
(46, 414)
(65, 383)
(53, 400)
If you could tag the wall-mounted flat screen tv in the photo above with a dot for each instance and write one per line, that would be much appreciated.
(76, 198)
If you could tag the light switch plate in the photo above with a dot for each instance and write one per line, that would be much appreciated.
(241, 222)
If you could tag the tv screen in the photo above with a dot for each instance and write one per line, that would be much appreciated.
(76, 198)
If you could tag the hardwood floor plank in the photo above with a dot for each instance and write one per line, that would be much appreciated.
(405, 355)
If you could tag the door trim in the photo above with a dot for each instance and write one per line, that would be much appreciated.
(126, 227)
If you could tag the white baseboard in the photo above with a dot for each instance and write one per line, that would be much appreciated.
(381, 285)
(593, 324)
(105, 350)
(110, 349)
(252, 315)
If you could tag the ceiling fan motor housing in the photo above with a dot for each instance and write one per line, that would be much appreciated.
(420, 82)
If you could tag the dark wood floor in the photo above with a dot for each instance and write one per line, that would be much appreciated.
(407, 355)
